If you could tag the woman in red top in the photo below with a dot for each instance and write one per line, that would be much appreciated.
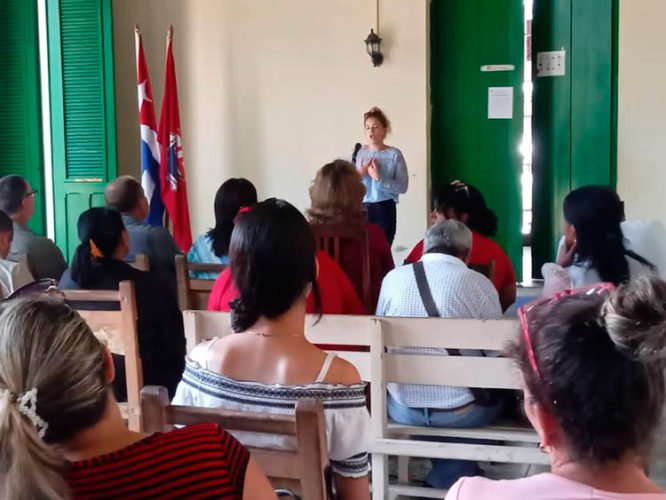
(62, 435)
(337, 293)
(465, 203)
(336, 197)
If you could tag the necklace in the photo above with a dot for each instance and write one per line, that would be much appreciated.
(259, 334)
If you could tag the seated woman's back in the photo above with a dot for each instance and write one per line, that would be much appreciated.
(98, 265)
(62, 434)
(336, 197)
(268, 364)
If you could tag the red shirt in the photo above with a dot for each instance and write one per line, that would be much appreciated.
(198, 461)
(483, 251)
(337, 292)
(381, 261)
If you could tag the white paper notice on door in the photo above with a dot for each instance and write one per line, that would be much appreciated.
(500, 103)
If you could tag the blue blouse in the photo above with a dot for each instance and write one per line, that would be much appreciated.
(202, 251)
(393, 177)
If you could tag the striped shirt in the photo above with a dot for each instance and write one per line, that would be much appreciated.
(198, 461)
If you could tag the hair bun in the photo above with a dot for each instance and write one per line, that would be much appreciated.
(635, 318)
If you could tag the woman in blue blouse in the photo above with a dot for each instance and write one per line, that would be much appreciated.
(384, 173)
(213, 245)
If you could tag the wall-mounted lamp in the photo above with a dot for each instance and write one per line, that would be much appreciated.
(372, 45)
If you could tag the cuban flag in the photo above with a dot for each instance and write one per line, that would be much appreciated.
(172, 169)
(150, 150)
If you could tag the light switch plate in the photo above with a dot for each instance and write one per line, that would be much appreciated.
(551, 63)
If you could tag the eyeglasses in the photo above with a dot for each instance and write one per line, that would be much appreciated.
(526, 314)
(32, 193)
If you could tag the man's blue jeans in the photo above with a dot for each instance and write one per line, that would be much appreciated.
(445, 472)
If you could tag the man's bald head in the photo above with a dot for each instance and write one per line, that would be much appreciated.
(126, 195)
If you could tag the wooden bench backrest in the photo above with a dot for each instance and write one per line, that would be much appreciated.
(193, 292)
(118, 330)
(351, 337)
(303, 470)
(329, 238)
(492, 372)
(346, 335)
(140, 262)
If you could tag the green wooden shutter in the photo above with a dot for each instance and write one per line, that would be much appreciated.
(574, 118)
(82, 110)
(20, 123)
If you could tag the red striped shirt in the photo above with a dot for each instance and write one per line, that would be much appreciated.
(198, 461)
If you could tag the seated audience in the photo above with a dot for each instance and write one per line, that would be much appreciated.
(592, 374)
(441, 284)
(336, 197)
(62, 435)
(268, 364)
(465, 203)
(213, 245)
(13, 275)
(126, 195)
(335, 289)
(593, 247)
(17, 199)
(98, 265)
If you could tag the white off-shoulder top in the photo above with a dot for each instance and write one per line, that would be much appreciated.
(347, 418)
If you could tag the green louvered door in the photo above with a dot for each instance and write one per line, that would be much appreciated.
(20, 123)
(82, 110)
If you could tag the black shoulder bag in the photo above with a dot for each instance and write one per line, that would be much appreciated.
(482, 397)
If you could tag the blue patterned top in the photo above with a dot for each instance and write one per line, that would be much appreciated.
(202, 251)
(393, 177)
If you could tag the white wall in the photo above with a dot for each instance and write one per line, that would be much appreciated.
(273, 89)
(642, 108)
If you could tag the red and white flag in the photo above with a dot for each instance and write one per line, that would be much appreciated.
(172, 170)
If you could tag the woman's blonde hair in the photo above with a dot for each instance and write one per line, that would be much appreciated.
(336, 195)
(46, 348)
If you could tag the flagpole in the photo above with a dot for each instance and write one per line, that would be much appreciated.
(169, 37)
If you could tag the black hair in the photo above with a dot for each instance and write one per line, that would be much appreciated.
(466, 199)
(231, 196)
(601, 368)
(6, 223)
(123, 194)
(100, 230)
(272, 260)
(596, 213)
(13, 189)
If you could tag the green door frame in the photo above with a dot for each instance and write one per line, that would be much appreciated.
(574, 123)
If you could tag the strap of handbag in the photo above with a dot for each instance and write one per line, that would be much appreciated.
(481, 396)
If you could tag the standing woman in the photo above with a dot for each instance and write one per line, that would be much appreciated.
(384, 173)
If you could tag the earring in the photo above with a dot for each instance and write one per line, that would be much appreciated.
(547, 449)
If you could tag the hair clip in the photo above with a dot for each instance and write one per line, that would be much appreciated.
(242, 210)
(27, 405)
(94, 250)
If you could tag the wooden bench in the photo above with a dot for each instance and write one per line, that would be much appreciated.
(515, 443)
(304, 470)
(118, 330)
(193, 292)
(512, 442)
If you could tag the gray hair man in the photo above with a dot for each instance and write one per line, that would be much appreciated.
(441, 284)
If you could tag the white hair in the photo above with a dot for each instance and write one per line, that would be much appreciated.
(450, 237)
